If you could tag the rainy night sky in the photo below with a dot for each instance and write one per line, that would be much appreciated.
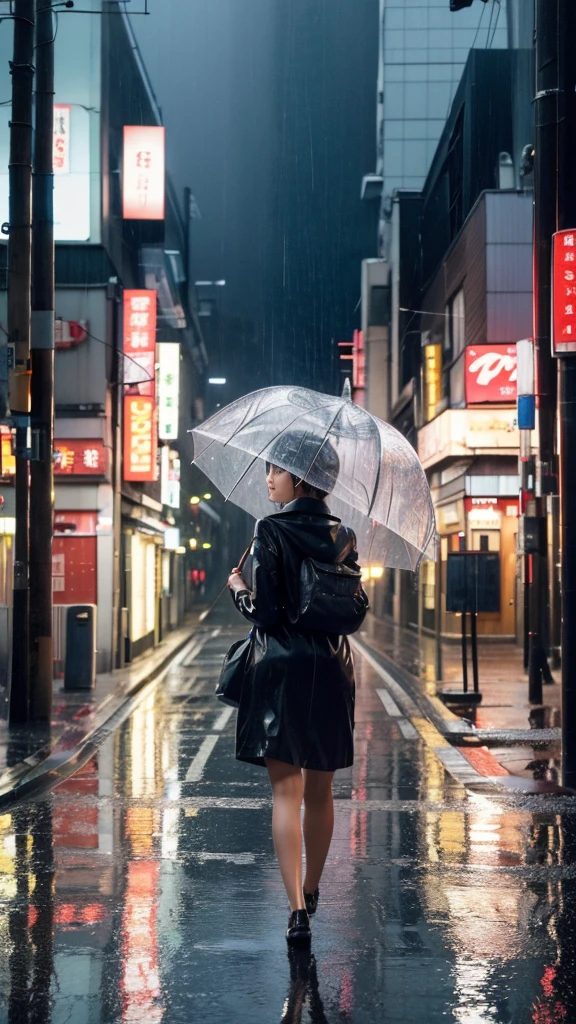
(270, 111)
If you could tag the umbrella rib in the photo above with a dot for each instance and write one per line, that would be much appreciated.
(377, 484)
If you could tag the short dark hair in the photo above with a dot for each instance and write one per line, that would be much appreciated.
(309, 491)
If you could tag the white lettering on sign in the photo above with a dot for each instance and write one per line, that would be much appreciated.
(491, 365)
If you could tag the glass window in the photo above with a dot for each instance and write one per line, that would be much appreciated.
(394, 100)
(393, 162)
(414, 99)
(415, 155)
(438, 99)
(416, 17)
(393, 17)
(442, 72)
(394, 73)
(393, 130)
(393, 39)
(416, 72)
(416, 39)
(415, 129)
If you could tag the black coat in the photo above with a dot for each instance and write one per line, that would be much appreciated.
(297, 702)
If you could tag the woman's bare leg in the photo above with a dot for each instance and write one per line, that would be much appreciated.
(318, 824)
(287, 791)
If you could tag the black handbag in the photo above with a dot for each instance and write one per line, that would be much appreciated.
(237, 663)
(332, 598)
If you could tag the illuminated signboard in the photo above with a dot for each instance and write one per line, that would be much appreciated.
(75, 159)
(491, 374)
(564, 293)
(140, 341)
(143, 178)
(80, 458)
(61, 150)
(168, 390)
(139, 438)
(432, 379)
(170, 477)
(8, 458)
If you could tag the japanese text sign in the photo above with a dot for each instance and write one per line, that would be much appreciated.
(143, 183)
(564, 293)
(140, 341)
(140, 443)
(61, 149)
(491, 374)
(168, 390)
(80, 458)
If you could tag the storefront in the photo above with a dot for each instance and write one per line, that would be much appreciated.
(470, 456)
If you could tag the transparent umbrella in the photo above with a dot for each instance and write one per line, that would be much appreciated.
(375, 481)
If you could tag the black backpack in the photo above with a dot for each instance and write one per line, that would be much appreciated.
(331, 598)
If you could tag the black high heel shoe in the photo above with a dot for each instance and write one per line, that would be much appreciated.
(298, 927)
(311, 899)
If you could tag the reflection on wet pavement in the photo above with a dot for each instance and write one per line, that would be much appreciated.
(132, 895)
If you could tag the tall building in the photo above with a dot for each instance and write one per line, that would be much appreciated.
(444, 140)
(423, 50)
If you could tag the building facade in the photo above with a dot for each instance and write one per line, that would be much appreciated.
(455, 248)
(126, 333)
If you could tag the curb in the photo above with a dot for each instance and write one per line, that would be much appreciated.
(474, 767)
(56, 762)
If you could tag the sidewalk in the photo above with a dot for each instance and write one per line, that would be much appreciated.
(29, 755)
(505, 729)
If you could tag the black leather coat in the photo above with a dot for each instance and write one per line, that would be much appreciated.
(297, 702)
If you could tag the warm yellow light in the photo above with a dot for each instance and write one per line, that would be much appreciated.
(195, 500)
(376, 572)
(181, 550)
(207, 496)
(206, 547)
(193, 543)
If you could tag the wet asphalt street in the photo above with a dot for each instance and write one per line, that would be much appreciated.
(145, 890)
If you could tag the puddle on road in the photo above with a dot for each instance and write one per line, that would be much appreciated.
(122, 901)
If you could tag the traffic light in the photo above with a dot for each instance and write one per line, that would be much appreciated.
(458, 5)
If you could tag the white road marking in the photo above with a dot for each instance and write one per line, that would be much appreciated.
(406, 703)
(230, 858)
(407, 729)
(390, 705)
(223, 719)
(199, 762)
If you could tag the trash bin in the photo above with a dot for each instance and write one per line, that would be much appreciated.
(80, 665)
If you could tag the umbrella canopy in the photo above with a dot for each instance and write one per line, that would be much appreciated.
(373, 475)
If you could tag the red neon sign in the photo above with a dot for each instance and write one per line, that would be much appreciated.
(564, 293)
(80, 458)
(140, 441)
(144, 172)
(491, 374)
(140, 341)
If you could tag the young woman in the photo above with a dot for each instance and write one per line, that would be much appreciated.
(296, 713)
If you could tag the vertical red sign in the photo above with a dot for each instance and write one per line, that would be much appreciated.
(140, 341)
(143, 177)
(564, 293)
(140, 438)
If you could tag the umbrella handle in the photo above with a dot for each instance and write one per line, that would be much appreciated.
(245, 556)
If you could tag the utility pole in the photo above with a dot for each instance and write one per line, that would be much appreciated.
(19, 283)
(544, 479)
(565, 35)
(42, 363)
